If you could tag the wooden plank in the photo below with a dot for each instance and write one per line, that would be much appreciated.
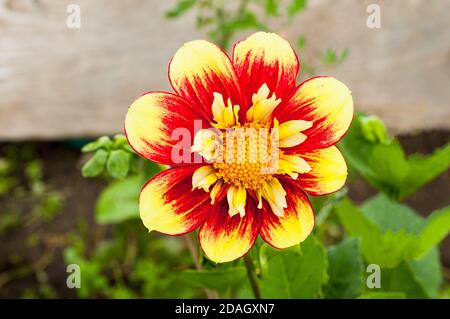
(57, 82)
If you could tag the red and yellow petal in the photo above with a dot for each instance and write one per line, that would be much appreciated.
(224, 238)
(328, 171)
(326, 102)
(168, 205)
(265, 58)
(294, 226)
(160, 126)
(200, 68)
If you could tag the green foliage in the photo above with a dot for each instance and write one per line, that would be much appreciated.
(9, 220)
(222, 20)
(411, 277)
(345, 270)
(119, 201)
(49, 207)
(103, 142)
(296, 6)
(298, 272)
(374, 130)
(382, 161)
(391, 232)
(221, 279)
(330, 56)
(7, 179)
(131, 265)
(96, 165)
(118, 164)
(22, 180)
(435, 229)
(111, 155)
(271, 7)
(382, 295)
(181, 7)
(301, 42)
(91, 278)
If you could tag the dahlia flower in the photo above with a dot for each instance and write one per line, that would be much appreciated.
(244, 142)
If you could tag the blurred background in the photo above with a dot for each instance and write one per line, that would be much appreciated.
(63, 84)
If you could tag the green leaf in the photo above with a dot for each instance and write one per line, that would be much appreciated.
(395, 237)
(401, 278)
(296, 6)
(271, 7)
(392, 216)
(216, 279)
(415, 278)
(437, 227)
(389, 215)
(374, 130)
(330, 56)
(91, 278)
(298, 272)
(344, 55)
(96, 165)
(345, 270)
(385, 165)
(427, 272)
(425, 168)
(301, 42)
(119, 201)
(386, 249)
(118, 164)
(247, 20)
(180, 8)
(382, 295)
(103, 142)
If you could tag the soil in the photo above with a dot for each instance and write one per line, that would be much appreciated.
(62, 172)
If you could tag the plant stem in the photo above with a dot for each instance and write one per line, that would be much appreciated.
(211, 294)
(252, 276)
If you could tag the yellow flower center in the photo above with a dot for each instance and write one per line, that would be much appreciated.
(246, 156)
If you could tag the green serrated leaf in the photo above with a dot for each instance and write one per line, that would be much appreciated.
(216, 279)
(295, 272)
(118, 164)
(345, 270)
(96, 165)
(119, 201)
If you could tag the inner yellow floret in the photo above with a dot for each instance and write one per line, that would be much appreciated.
(246, 156)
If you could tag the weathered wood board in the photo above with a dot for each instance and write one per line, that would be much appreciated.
(57, 82)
